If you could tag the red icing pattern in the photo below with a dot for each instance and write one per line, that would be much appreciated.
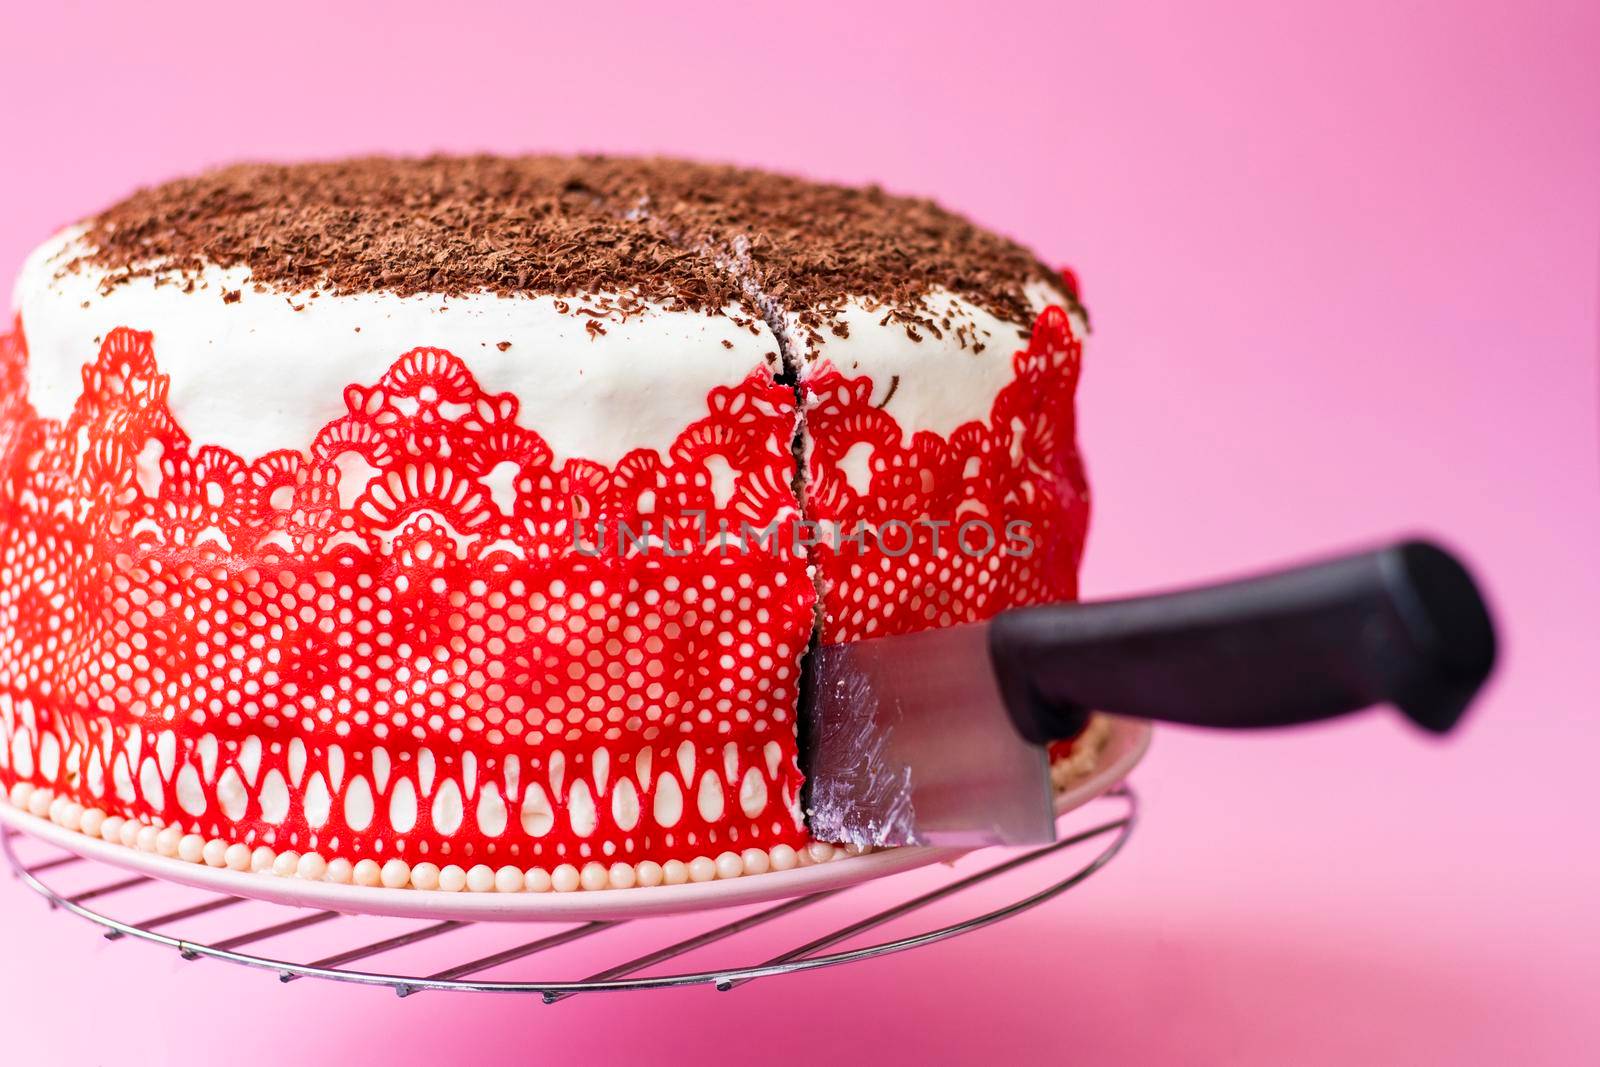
(392, 644)
(1020, 470)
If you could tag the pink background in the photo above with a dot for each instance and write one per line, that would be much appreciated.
(1343, 264)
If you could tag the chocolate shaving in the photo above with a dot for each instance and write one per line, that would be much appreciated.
(611, 235)
(894, 383)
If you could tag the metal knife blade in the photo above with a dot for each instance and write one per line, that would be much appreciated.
(909, 742)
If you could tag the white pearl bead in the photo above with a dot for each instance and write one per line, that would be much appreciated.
(286, 864)
(702, 869)
(167, 840)
(341, 871)
(675, 872)
(311, 867)
(425, 876)
(452, 879)
(480, 878)
(237, 857)
(508, 880)
(71, 816)
(755, 861)
(39, 803)
(564, 879)
(190, 848)
(129, 833)
(729, 865)
(649, 873)
(146, 838)
(622, 876)
(396, 874)
(536, 880)
(593, 876)
(215, 853)
(820, 851)
(367, 873)
(111, 829)
(783, 858)
(93, 819)
(20, 792)
(57, 806)
(262, 858)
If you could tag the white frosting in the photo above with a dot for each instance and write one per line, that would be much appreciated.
(537, 815)
(191, 797)
(710, 801)
(317, 802)
(358, 806)
(447, 807)
(491, 811)
(274, 798)
(942, 383)
(231, 794)
(753, 793)
(581, 810)
(403, 806)
(625, 805)
(668, 803)
(256, 375)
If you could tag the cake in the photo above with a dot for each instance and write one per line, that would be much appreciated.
(463, 523)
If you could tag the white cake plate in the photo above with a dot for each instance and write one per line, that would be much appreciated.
(1124, 746)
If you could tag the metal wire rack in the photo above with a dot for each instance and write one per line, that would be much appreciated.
(1039, 872)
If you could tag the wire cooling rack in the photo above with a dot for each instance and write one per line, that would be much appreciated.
(828, 925)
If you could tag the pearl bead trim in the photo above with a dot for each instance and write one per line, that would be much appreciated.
(395, 873)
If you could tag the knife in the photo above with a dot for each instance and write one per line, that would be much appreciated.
(938, 737)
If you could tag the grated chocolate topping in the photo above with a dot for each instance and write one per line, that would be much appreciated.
(667, 232)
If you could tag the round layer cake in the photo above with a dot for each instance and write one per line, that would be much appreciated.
(463, 522)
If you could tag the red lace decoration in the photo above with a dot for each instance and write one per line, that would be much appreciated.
(954, 529)
(425, 637)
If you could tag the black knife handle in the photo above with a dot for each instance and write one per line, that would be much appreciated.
(1403, 625)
